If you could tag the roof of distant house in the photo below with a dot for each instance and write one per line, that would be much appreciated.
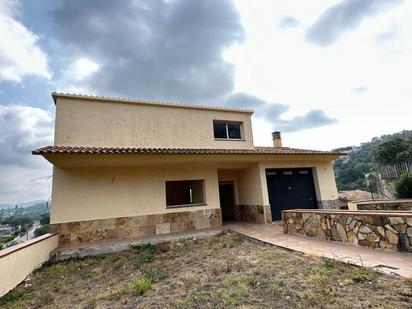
(178, 151)
(57, 95)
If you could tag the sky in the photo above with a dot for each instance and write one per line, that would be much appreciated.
(326, 73)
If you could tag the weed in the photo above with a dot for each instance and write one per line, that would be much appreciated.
(140, 285)
(156, 274)
(91, 302)
(45, 297)
(277, 286)
(360, 275)
(146, 258)
(13, 296)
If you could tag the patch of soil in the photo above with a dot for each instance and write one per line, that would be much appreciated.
(220, 272)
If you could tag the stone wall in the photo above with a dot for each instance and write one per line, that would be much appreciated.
(132, 227)
(253, 213)
(403, 205)
(385, 230)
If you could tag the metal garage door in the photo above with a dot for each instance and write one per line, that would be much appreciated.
(289, 189)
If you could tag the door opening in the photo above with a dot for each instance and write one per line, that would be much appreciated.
(226, 201)
(290, 189)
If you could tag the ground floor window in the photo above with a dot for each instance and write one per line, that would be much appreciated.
(184, 193)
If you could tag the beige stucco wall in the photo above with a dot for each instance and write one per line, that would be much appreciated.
(24, 258)
(81, 194)
(117, 124)
(250, 184)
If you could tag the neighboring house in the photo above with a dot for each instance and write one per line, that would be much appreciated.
(5, 230)
(134, 168)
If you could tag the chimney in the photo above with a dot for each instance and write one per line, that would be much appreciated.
(277, 140)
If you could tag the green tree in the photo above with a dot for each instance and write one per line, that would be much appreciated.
(403, 187)
(45, 219)
(393, 151)
(41, 230)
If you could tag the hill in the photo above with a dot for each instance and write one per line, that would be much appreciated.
(351, 170)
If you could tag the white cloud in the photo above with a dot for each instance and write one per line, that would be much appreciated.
(20, 55)
(22, 129)
(281, 66)
(82, 67)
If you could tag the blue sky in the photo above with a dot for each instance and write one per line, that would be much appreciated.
(327, 73)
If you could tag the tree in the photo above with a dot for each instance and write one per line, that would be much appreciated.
(45, 219)
(398, 150)
(403, 187)
(41, 230)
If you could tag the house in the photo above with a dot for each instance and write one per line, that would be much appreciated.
(5, 230)
(133, 168)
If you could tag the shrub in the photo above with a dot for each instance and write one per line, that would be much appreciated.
(403, 187)
(140, 285)
(41, 230)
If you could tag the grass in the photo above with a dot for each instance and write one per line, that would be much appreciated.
(221, 272)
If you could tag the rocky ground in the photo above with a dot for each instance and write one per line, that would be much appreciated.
(220, 272)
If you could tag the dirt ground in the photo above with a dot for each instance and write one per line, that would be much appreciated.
(220, 272)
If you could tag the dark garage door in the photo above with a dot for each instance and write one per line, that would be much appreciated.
(289, 189)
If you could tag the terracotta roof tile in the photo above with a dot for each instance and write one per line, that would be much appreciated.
(175, 151)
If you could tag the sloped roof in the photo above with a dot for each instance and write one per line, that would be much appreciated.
(56, 95)
(178, 151)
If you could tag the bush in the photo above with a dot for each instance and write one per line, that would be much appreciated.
(403, 187)
(141, 285)
(41, 230)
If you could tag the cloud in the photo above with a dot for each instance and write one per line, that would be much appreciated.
(342, 17)
(272, 113)
(360, 89)
(166, 50)
(386, 36)
(153, 49)
(22, 129)
(20, 55)
(287, 22)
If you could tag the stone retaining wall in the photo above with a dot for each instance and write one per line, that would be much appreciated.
(385, 230)
(403, 205)
(132, 227)
(253, 213)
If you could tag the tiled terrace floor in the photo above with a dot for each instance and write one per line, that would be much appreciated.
(390, 262)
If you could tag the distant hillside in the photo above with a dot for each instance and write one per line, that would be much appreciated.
(350, 170)
(27, 204)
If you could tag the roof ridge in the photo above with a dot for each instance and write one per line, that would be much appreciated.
(165, 150)
(146, 101)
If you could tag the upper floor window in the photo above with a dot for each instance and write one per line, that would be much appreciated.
(227, 130)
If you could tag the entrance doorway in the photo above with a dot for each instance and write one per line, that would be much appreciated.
(226, 200)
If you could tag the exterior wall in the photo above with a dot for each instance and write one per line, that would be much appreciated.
(83, 194)
(17, 262)
(384, 230)
(252, 205)
(117, 124)
(324, 180)
(74, 233)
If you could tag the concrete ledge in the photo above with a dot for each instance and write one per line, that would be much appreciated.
(116, 245)
(395, 205)
(17, 262)
(387, 213)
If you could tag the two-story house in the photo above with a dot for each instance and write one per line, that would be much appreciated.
(135, 168)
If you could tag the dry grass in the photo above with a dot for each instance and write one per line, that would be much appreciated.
(220, 272)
